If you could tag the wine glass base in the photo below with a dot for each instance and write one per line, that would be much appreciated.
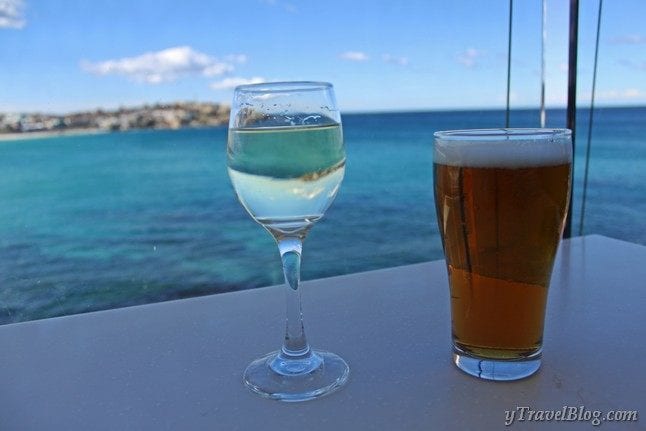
(293, 380)
(498, 370)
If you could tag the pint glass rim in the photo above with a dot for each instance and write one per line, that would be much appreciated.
(502, 134)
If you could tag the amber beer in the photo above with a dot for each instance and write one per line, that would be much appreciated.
(501, 199)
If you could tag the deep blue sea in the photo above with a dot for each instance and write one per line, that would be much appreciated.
(101, 221)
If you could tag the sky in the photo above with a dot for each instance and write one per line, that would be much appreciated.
(67, 55)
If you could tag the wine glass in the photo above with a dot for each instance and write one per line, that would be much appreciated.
(286, 161)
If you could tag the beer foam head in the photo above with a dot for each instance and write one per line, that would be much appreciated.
(503, 148)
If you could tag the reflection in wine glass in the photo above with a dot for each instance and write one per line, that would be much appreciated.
(286, 161)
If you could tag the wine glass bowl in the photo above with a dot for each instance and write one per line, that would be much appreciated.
(286, 161)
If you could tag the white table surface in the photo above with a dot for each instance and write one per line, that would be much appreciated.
(177, 365)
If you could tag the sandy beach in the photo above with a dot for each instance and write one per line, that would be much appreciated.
(48, 134)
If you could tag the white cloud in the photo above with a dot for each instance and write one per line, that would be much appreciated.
(288, 7)
(557, 97)
(625, 94)
(236, 58)
(12, 14)
(165, 65)
(513, 97)
(354, 56)
(389, 58)
(633, 64)
(632, 93)
(468, 58)
(228, 83)
(629, 39)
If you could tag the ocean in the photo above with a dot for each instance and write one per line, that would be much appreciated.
(99, 221)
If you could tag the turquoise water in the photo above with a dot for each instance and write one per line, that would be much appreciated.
(102, 221)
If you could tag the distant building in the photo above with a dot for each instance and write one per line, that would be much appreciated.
(158, 116)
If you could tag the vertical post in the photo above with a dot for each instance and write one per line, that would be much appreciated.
(587, 148)
(543, 37)
(571, 98)
(511, 9)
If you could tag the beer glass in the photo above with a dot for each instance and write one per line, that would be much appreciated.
(286, 161)
(501, 197)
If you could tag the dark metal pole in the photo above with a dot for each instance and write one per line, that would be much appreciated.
(587, 148)
(509, 33)
(571, 97)
(543, 37)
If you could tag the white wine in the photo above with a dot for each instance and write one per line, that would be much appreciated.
(286, 161)
(286, 177)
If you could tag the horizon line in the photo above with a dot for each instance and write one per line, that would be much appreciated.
(345, 112)
(488, 108)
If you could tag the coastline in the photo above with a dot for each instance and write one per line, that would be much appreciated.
(23, 136)
(177, 115)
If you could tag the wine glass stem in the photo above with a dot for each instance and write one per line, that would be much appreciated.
(295, 345)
